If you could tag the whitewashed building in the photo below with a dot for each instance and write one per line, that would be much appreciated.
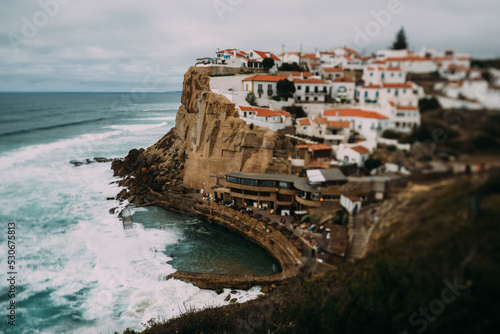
(332, 132)
(369, 124)
(343, 89)
(272, 119)
(311, 90)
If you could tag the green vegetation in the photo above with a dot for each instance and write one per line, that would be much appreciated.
(486, 63)
(285, 89)
(290, 67)
(444, 240)
(391, 134)
(428, 103)
(268, 63)
(251, 99)
(400, 41)
(296, 112)
(371, 163)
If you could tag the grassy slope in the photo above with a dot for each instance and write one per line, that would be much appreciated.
(452, 238)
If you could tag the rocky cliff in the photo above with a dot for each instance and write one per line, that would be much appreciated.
(208, 141)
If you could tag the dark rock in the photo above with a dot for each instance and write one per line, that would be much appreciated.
(112, 211)
(76, 163)
(234, 292)
(233, 301)
(133, 155)
(227, 298)
(219, 291)
(131, 199)
(110, 198)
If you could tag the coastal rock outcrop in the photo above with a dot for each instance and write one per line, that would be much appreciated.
(208, 140)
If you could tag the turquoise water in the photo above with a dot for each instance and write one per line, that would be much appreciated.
(78, 271)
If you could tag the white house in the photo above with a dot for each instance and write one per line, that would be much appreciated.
(404, 118)
(311, 90)
(343, 89)
(369, 124)
(353, 155)
(332, 132)
(272, 119)
(412, 64)
(377, 75)
(262, 85)
(406, 94)
(331, 73)
(351, 203)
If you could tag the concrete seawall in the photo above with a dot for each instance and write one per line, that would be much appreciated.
(275, 243)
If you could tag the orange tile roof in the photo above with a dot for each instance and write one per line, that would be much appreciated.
(246, 108)
(360, 149)
(262, 112)
(410, 58)
(320, 120)
(342, 79)
(310, 81)
(339, 124)
(395, 69)
(352, 112)
(306, 121)
(443, 58)
(315, 147)
(407, 108)
(266, 78)
(333, 69)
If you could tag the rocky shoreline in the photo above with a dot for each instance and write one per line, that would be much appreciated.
(208, 140)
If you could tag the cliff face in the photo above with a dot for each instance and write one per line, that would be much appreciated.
(208, 141)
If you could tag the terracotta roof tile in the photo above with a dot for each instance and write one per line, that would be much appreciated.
(266, 78)
(360, 149)
(351, 112)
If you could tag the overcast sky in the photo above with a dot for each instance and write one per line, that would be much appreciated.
(123, 45)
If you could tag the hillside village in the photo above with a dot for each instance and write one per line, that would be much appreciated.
(338, 107)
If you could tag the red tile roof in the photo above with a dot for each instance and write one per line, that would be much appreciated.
(305, 121)
(407, 108)
(333, 69)
(342, 79)
(351, 112)
(339, 124)
(266, 78)
(360, 149)
(315, 147)
(320, 120)
(309, 81)
(395, 69)
(411, 58)
(265, 112)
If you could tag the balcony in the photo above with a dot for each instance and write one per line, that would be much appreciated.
(308, 203)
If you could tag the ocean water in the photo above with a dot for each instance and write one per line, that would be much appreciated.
(77, 269)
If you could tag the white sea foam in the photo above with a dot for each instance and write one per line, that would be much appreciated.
(77, 256)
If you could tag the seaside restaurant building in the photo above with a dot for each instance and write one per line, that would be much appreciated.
(266, 191)
(286, 193)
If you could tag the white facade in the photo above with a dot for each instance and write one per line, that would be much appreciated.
(353, 154)
(263, 86)
(332, 132)
(343, 89)
(311, 90)
(406, 94)
(351, 203)
(369, 124)
(377, 75)
(272, 119)
(413, 64)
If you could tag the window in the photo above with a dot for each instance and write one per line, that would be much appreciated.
(307, 89)
(389, 91)
(366, 94)
(232, 179)
(284, 185)
(383, 75)
(248, 182)
(266, 183)
(315, 197)
(260, 89)
(392, 75)
(377, 94)
(316, 89)
(343, 90)
(404, 91)
(324, 89)
(396, 92)
(315, 98)
(371, 74)
(299, 87)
